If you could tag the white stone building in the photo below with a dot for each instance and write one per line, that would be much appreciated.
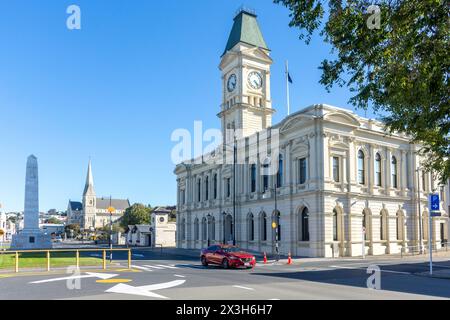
(338, 173)
(93, 212)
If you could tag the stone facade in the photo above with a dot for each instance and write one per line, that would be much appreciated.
(339, 174)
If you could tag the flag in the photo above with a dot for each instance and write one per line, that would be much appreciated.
(289, 77)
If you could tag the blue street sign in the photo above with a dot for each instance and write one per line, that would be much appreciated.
(434, 202)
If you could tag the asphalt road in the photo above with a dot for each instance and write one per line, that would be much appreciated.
(178, 276)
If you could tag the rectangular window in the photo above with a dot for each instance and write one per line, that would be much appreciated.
(336, 169)
(302, 171)
(228, 187)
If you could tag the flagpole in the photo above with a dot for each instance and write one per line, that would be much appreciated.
(287, 89)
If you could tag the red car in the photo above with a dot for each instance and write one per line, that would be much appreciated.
(227, 256)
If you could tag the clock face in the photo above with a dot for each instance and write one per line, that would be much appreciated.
(231, 84)
(255, 80)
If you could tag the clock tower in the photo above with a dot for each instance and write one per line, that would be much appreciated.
(245, 68)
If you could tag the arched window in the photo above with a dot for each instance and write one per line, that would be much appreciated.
(213, 228)
(366, 223)
(394, 172)
(378, 170)
(265, 179)
(263, 227)
(204, 229)
(207, 188)
(215, 185)
(335, 225)
(251, 227)
(305, 224)
(196, 229)
(253, 177)
(199, 190)
(280, 171)
(361, 168)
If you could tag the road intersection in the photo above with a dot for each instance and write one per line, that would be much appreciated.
(163, 277)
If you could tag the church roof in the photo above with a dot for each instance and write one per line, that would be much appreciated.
(246, 30)
(75, 205)
(118, 204)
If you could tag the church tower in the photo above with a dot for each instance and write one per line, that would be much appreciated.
(89, 199)
(245, 68)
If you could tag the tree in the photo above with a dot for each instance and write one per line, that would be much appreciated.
(136, 214)
(395, 58)
(54, 220)
(74, 227)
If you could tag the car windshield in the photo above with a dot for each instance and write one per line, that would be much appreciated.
(232, 249)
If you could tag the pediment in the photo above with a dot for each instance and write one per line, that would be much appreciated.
(342, 118)
(294, 122)
(258, 53)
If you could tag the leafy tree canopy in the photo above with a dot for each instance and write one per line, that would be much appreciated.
(136, 214)
(399, 66)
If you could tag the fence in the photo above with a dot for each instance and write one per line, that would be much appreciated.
(48, 254)
(415, 250)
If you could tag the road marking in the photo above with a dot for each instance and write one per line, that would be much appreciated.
(142, 268)
(179, 276)
(153, 267)
(114, 281)
(145, 290)
(103, 276)
(167, 266)
(128, 270)
(274, 299)
(360, 268)
(242, 287)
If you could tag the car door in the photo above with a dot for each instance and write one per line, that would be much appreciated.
(218, 255)
(209, 254)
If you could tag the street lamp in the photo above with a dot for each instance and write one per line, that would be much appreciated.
(111, 209)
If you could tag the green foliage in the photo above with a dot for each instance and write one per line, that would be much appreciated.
(54, 220)
(136, 214)
(74, 227)
(401, 69)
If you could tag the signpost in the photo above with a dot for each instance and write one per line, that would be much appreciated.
(433, 203)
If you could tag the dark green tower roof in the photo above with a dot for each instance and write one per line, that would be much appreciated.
(246, 29)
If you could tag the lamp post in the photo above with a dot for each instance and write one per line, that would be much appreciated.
(111, 209)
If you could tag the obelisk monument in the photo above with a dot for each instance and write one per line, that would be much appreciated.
(31, 237)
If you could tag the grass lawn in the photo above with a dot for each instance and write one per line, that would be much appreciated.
(39, 260)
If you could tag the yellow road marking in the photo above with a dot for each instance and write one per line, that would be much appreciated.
(128, 270)
(113, 281)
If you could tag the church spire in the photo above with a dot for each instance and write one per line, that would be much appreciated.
(89, 186)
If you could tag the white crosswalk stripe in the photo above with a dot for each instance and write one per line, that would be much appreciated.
(167, 266)
(153, 267)
(141, 268)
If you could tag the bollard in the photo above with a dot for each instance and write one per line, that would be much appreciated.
(77, 258)
(129, 259)
(48, 260)
(17, 262)
(104, 259)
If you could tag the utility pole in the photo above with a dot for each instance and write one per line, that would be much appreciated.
(234, 189)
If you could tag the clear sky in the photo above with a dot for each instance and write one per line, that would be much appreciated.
(115, 90)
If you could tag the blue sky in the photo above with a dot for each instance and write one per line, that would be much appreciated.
(116, 89)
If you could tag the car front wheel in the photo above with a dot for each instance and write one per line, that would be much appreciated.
(204, 262)
(225, 264)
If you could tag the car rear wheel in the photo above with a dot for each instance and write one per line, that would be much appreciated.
(225, 264)
(204, 262)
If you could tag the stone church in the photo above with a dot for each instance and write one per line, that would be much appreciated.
(93, 211)
(343, 186)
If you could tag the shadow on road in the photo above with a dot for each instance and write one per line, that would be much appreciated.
(405, 278)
